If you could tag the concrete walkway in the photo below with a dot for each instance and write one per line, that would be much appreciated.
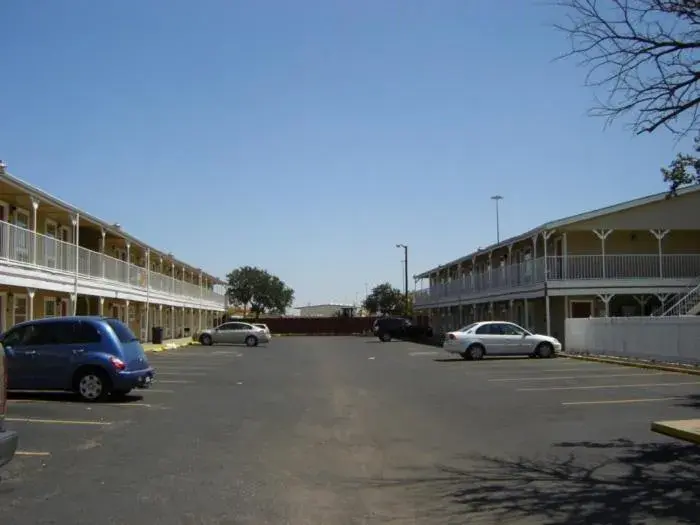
(685, 429)
(167, 345)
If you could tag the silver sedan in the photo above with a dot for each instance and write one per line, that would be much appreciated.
(234, 333)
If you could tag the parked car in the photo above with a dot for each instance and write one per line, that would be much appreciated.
(388, 328)
(91, 356)
(498, 338)
(8, 439)
(264, 327)
(234, 333)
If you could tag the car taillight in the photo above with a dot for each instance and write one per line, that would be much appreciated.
(451, 336)
(117, 363)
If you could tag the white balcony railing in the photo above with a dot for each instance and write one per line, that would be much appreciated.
(40, 251)
(558, 268)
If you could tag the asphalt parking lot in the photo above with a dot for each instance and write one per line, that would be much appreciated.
(324, 430)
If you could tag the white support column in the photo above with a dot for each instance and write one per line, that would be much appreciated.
(663, 297)
(510, 311)
(148, 293)
(200, 301)
(172, 276)
(102, 250)
(642, 300)
(128, 263)
(602, 235)
(76, 237)
(31, 292)
(548, 314)
(660, 234)
(565, 256)
(73, 300)
(127, 317)
(172, 318)
(35, 229)
(101, 306)
(160, 317)
(606, 298)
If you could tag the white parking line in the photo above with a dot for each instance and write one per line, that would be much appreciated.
(595, 387)
(422, 353)
(587, 376)
(622, 401)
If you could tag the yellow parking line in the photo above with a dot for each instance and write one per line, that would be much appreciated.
(556, 378)
(621, 401)
(31, 453)
(56, 421)
(594, 387)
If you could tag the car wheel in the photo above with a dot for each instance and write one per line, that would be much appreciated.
(385, 338)
(474, 353)
(545, 350)
(206, 340)
(92, 385)
(251, 340)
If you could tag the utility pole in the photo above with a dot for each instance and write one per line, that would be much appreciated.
(405, 275)
(498, 218)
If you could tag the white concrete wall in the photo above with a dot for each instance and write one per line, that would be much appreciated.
(675, 339)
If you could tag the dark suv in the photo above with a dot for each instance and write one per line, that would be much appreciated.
(8, 440)
(388, 328)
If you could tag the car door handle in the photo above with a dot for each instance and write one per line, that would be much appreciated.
(30, 352)
(78, 351)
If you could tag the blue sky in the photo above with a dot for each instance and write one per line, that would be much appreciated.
(310, 137)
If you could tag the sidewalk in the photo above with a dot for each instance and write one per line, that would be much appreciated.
(685, 429)
(167, 345)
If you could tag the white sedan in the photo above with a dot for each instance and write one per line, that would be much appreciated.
(498, 338)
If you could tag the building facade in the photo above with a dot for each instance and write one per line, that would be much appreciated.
(57, 260)
(327, 310)
(640, 257)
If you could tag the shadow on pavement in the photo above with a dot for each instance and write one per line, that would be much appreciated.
(691, 401)
(68, 397)
(634, 484)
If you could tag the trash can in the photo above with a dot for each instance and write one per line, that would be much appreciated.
(157, 335)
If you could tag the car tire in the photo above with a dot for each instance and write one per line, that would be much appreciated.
(92, 384)
(385, 337)
(475, 352)
(206, 340)
(545, 350)
(251, 340)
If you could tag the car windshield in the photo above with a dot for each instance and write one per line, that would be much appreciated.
(468, 327)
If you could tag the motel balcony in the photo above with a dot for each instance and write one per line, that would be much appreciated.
(564, 271)
(45, 258)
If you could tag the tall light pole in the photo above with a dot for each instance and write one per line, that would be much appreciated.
(405, 275)
(498, 218)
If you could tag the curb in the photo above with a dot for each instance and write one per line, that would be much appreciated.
(169, 346)
(663, 428)
(650, 366)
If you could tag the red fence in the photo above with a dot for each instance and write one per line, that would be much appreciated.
(317, 325)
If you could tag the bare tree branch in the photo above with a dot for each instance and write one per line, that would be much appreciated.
(645, 56)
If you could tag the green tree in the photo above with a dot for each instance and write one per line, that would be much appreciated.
(385, 299)
(256, 289)
(644, 56)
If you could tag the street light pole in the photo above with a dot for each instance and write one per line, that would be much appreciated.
(405, 275)
(498, 218)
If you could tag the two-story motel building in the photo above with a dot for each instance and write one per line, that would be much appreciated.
(634, 258)
(57, 260)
